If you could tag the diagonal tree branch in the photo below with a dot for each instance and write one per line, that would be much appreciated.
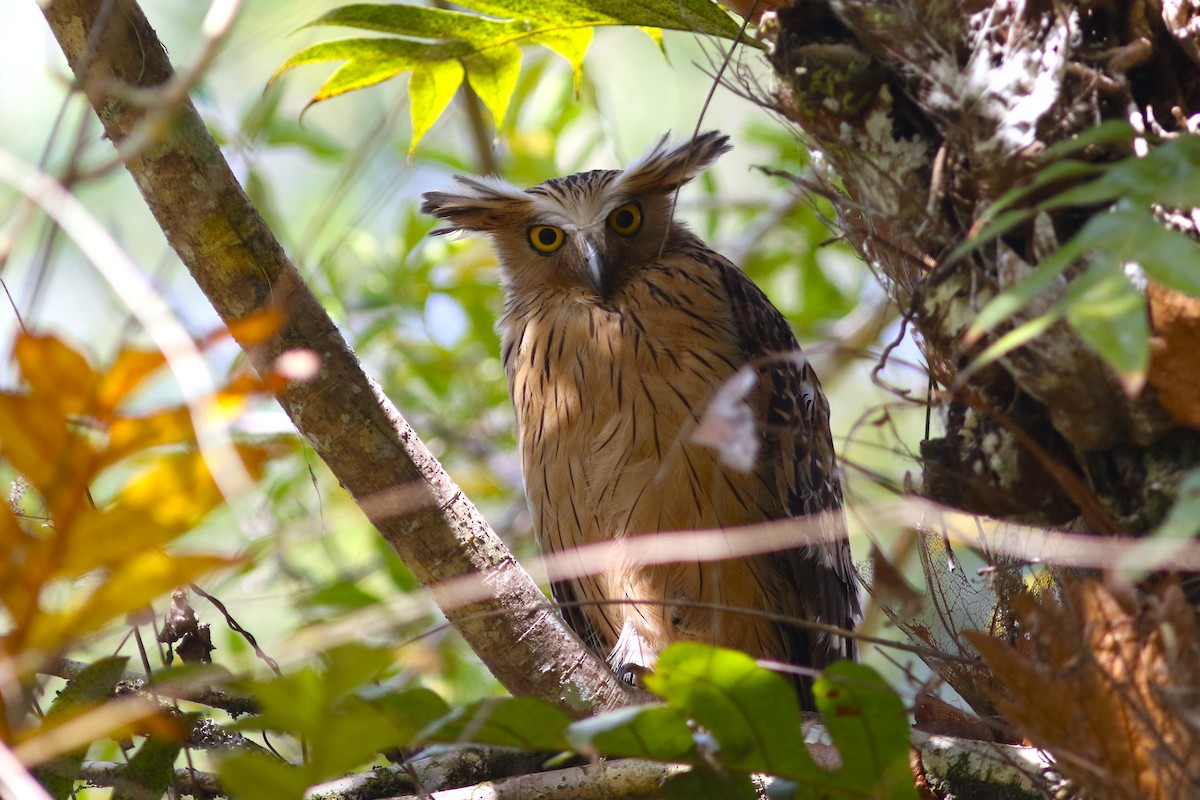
(375, 454)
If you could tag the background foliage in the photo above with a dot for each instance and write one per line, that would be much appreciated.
(308, 576)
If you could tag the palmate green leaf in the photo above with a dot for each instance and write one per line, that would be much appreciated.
(430, 90)
(493, 74)
(1103, 307)
(251, 775)
(438, 45)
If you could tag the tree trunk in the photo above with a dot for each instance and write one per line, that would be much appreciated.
(927, 112)
(341, 412)
(921, 115)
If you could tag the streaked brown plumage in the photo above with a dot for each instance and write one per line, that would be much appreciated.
(620, 325)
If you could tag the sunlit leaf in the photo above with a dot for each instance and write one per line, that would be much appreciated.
(36, 440)
(130, 369)
(132, 434)
(130, 586)
(571, 44)
(493, 75)
(431, 88)
(57, 373)
(367, 62)
(170, 496)
(485, 40)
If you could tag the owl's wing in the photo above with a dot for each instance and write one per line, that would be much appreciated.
(799, 468)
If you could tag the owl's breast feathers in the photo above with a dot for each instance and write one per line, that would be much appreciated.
(607, 395)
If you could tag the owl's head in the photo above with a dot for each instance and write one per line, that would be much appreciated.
(590, 230)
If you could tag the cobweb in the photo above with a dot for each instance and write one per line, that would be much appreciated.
(966, 589)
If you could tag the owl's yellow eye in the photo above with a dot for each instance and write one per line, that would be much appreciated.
(546, 238)
(626, 219)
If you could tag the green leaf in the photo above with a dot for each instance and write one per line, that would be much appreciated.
(150, 770)
(752, 712)
(706, 783)
(655, 732)
(493, 74)
(90, 688)
(409, 712)
(571, 44)
(867, 721)
(1110, 132)
(420, 22)
(1017, 337)
(430, 89)
(1110, 315)
(439, 43)
(1183, 520)
(250, 776)
(505, 722)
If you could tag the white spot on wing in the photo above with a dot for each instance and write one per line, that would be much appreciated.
(728, 422)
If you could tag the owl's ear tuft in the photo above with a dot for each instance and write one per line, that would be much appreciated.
(665, 167)
(488, 204)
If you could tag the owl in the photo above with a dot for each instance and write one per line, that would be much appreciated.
(620, 328)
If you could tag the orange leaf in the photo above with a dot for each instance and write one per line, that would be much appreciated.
(166, 499)
(257, 327)
(35, 440)
(127, 373)
(131, 586)
(132, 434)
(1175, 353)
(56, 372)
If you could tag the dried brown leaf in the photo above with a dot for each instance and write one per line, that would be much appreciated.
(1104, 680)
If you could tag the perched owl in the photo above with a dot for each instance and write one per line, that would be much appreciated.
(620, 327)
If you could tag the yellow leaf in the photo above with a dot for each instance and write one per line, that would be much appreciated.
(493, 74)
(132, 434)
(131, 586)
(127, 373)
(35, 440)
(430, 89)
(253, 328)
(56, 373)
(166, 499)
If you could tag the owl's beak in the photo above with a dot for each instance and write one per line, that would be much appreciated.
(595, 264)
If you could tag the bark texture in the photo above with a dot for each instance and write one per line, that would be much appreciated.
(372, 450)
(927, 112)
(921, 114)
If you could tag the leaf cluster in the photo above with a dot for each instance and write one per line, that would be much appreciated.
(72, 561)
(1103, 304)
(722, 714)
(441, 47)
